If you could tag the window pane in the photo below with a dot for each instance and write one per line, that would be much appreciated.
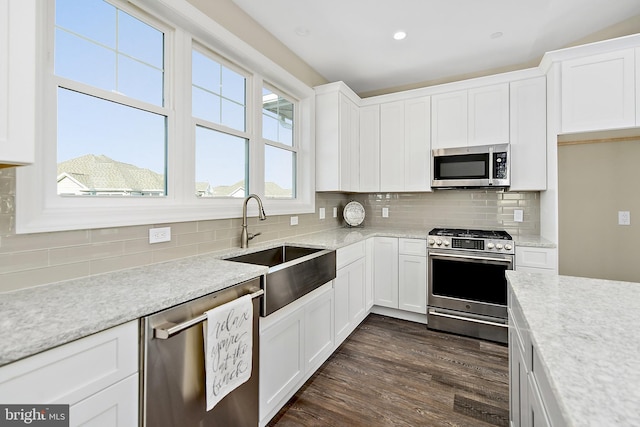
(279, 172)
(218, 93)
(139, 40)
(221, 164)
(86, 50)
(277, 118)
(92, 19)
(105, 148)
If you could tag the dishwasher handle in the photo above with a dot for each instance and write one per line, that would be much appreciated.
(168, 330)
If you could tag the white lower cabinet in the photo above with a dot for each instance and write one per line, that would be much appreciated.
(531, 399)
(536, 260)
(97, 376)
(400, 273)
(350, 289)
(294, 342)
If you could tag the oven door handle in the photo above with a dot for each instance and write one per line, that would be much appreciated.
(468, 319)
(471, 257)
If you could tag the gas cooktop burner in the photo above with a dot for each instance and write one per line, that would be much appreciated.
(471, 234)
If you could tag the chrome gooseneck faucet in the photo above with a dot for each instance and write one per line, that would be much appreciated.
(245, 236)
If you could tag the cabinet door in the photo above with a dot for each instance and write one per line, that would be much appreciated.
(282, 360)
(518, 383)
(352, 145)
(598, 92)
(417, 150)
(349, 295)
(319, 330)
(528, 130)
(17, 82)
(392, 150)
(346, 151)
(370, 149)
(368, 283)
(449, 120)
(488, 115)
(115, 406)
(412, 287)
(385, 276)
(536, 414)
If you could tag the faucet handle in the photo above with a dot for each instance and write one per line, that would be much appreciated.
(251, 236)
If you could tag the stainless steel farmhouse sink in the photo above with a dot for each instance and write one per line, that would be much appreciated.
(294, 271)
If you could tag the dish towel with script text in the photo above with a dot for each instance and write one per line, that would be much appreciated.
(228, 345)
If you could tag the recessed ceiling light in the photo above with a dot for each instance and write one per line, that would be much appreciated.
(302, 31)
(496, 35)
(399, 35)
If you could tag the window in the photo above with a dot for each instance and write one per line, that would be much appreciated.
(111, 124)
(218, 100)
(280, 148)
(143, 121)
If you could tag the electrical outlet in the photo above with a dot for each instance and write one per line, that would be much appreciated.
(385, 212)
(321, 213)
(624, 218)
(518, 215)
(159, 235)
(294, 220)
(335, 212)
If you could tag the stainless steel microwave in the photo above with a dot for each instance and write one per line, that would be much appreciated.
(467, 167)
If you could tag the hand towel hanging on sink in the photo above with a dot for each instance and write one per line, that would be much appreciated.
(228, 346)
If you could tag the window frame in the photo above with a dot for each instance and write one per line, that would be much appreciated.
(40, 209)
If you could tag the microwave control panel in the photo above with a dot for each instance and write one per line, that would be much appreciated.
(500, 165)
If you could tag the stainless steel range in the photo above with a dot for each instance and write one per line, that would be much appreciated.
(467, 284)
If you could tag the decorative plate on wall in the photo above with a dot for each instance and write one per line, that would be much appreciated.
(353, 214)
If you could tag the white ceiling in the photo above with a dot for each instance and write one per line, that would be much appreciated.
(351, 40)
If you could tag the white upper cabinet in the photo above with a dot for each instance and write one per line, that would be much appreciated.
(449, 120)
(17, 82)
(478, 116)
(489, 115)
(405, 145)
(598, 92)
(337, 139)
(528, 130)
(370, 149)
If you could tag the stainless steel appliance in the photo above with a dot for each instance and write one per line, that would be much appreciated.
(173, 377)
(466, 282)
(477, 166)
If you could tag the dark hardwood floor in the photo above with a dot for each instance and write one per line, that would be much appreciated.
(390, 372)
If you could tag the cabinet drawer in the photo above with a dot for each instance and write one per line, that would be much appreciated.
(536, 257)
(412, 247)
(74, 371)
(349, 254)
(114, 406)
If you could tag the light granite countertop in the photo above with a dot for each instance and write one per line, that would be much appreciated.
(37, 319)
(587, 333)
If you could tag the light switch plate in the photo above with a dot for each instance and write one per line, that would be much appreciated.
(335, 212)
(624, 218)
(294, 220)
(385, 212)
(321, 213)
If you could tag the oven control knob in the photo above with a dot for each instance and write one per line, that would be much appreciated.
(446, 242)
(438, 242)
(508, 247)
(490, 245)
(499, 246)
(431, 242)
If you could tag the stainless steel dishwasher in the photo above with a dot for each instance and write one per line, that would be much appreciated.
(173, 374)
